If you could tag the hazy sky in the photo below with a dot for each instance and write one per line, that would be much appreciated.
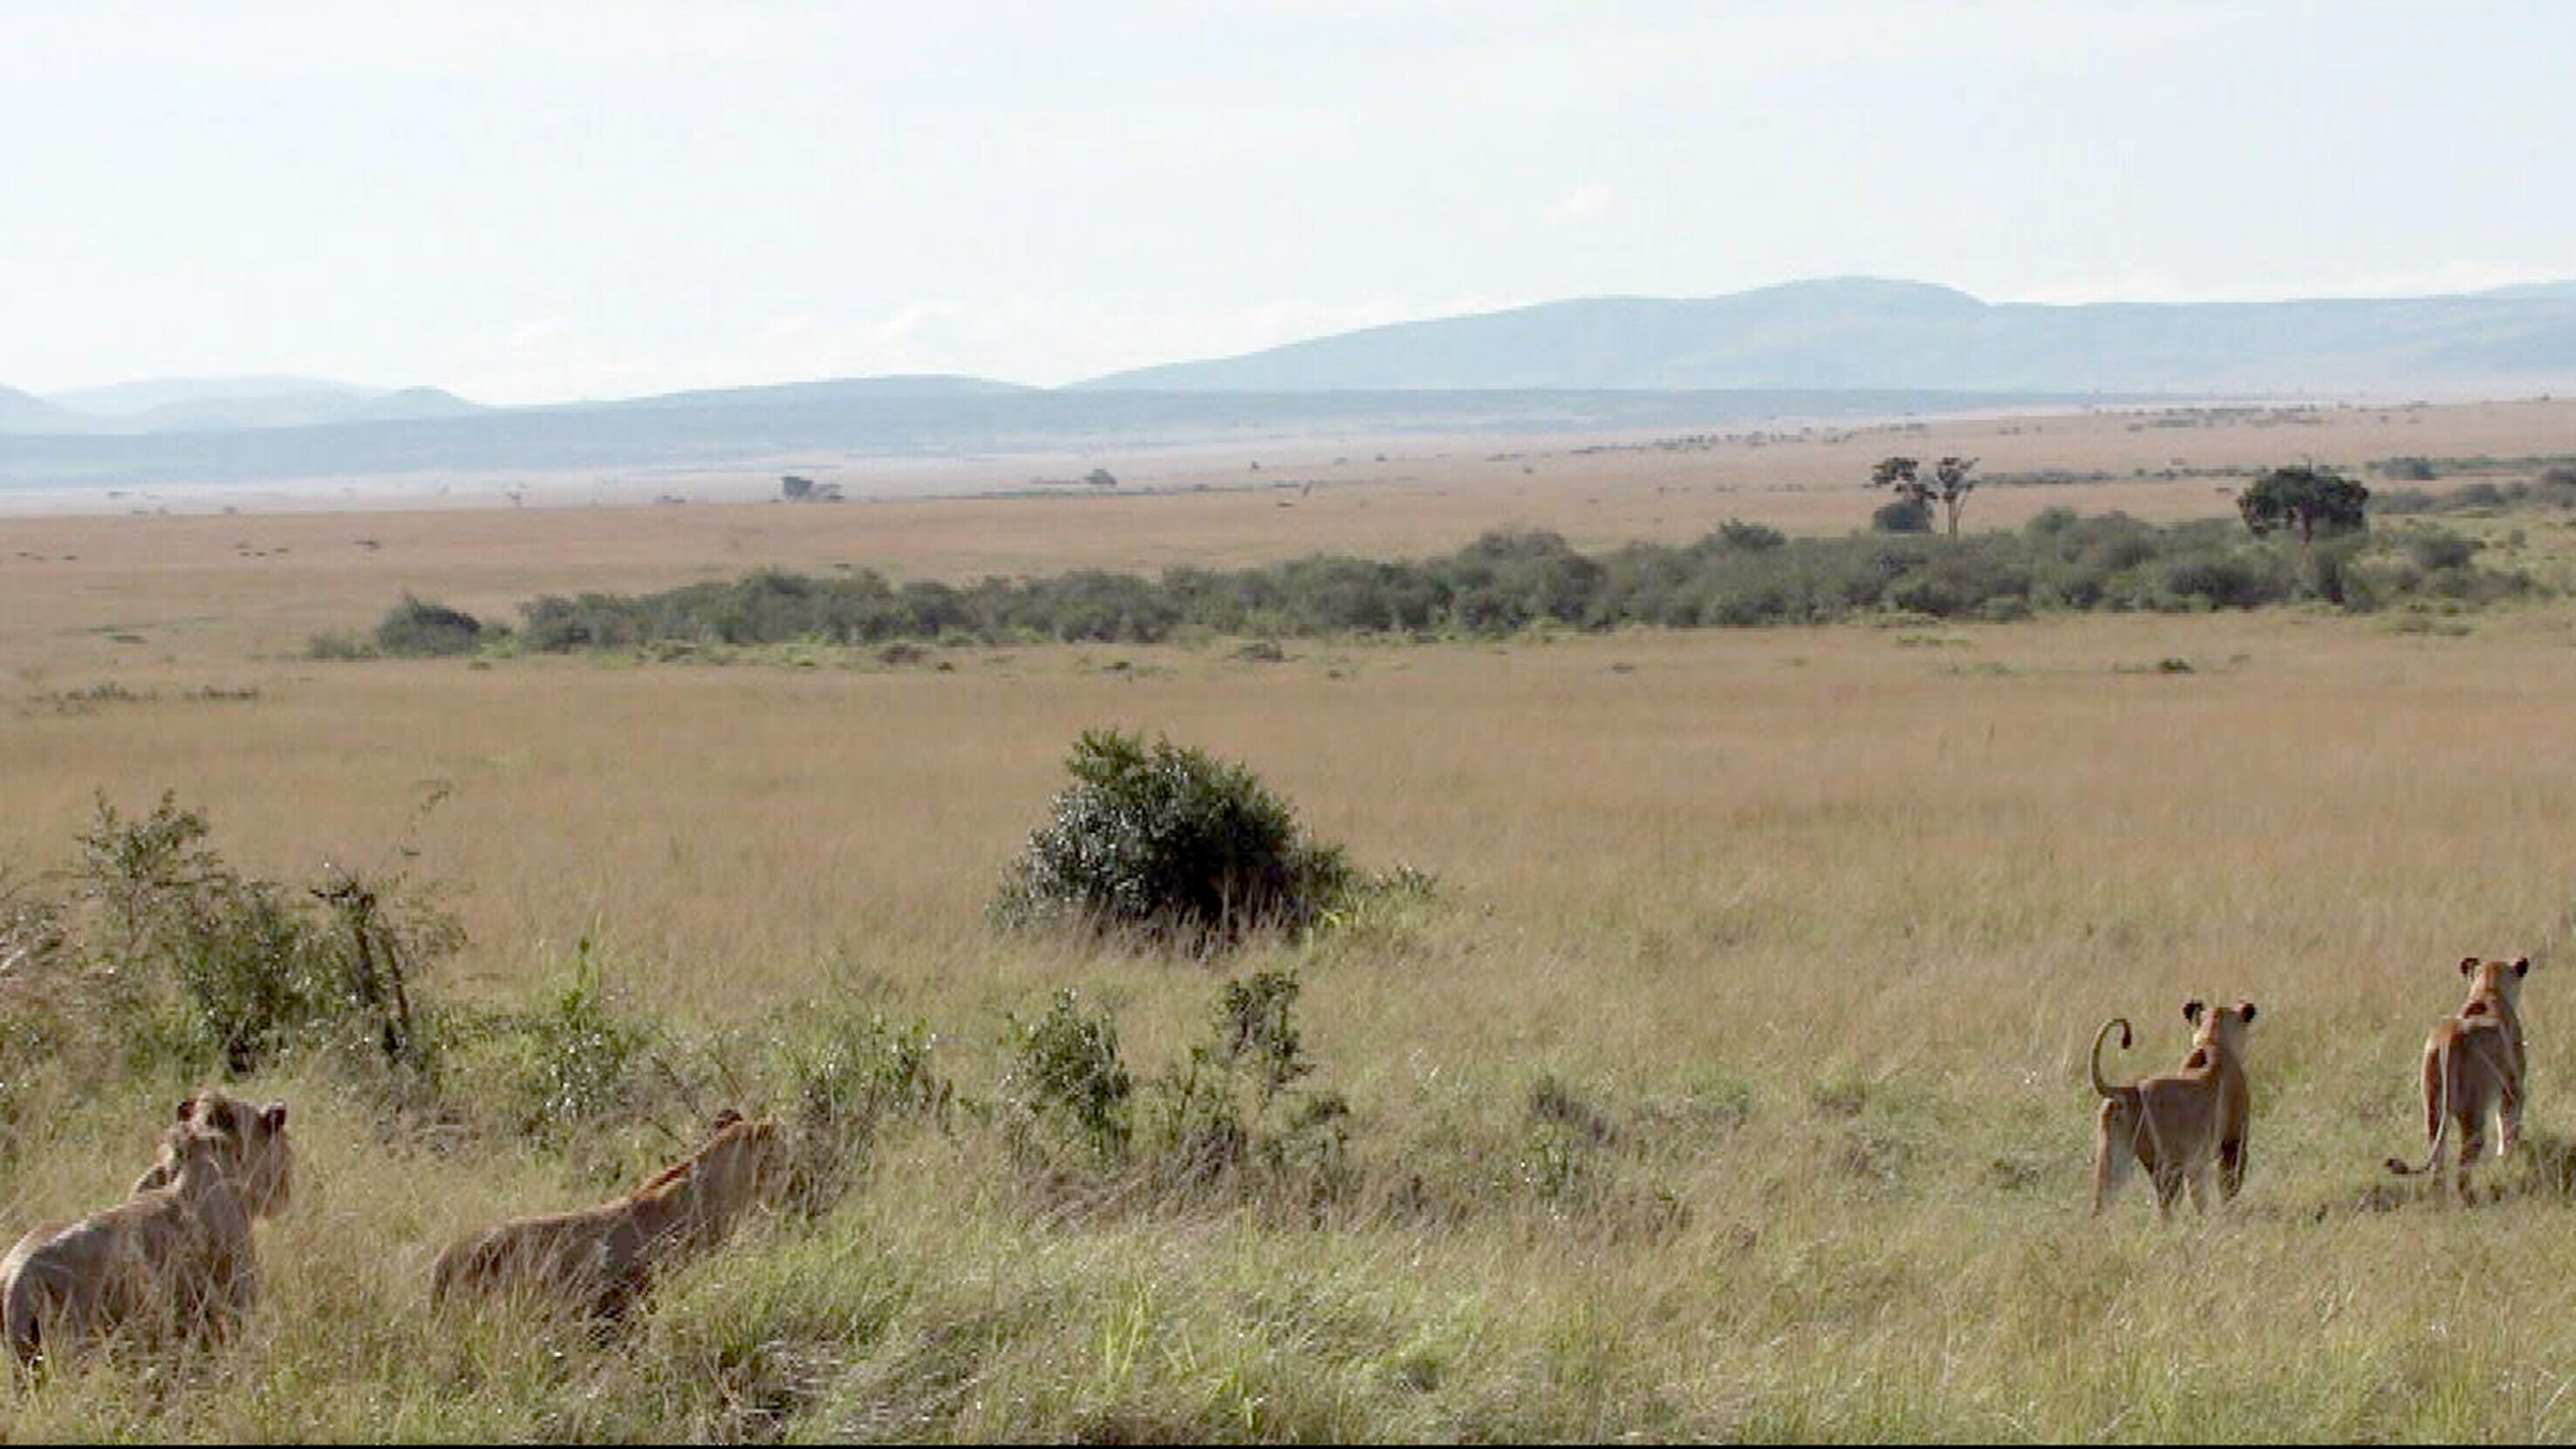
(530, 200)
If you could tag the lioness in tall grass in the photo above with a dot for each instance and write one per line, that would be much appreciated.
(2178, 1124)
(601, 1258)
(175, 1258)
(2473, 1069)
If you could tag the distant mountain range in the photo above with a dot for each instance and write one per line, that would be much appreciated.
(1823, 349)
(224, 404)
(1862, 333)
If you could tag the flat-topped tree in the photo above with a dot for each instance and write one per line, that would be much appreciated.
(2305, 497)
(1948, 486)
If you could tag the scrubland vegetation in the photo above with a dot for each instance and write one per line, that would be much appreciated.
(1741, 575)
(1683, 1039)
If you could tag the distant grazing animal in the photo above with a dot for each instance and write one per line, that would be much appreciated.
(2473, 1067)
(602, 1258)
(175, 1259)
(2178, 1124)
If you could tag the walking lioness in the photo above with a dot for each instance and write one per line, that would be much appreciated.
(2473, 1068)
(2177, 1124)
(601, 1258)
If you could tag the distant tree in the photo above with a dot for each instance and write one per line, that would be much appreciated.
(1948, 486)
(1952, 485)
(795, 489)
(1101, 478)
(2307, 498)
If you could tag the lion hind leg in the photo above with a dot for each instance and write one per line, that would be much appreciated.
(2114, 1152)
(2169, 1179)
(2473, 1146)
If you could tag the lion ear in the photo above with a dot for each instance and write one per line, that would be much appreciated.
(2468, 964)
(724, 1119)
(2192, 1009)
(2245, 1010)
(273, 1116)
(2522, 966)
(187, 1108)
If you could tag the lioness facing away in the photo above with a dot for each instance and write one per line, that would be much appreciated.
(2178, 1125)
(2473, 1069)
(600, 1259)
(173, 1259)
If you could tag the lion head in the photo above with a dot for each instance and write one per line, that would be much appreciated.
(743, 1164)
(250, 1139)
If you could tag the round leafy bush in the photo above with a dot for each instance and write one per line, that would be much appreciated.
(1168, 843)
(419, 626)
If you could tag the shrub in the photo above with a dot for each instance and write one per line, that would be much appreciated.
(2440, 549)
(1905, 515)
(574, 1058)
(1169, 844)
(1750, 537)
(256, 967)
(1232, 1104)
(850, 1072)
(1066, 1068)
(418, 626)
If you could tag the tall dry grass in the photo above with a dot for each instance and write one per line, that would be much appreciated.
(1815, 925)
(1732, 1084)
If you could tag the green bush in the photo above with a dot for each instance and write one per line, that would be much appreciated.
(1232, 1106)
(418, 626)
(1905, 515)
(574, 1058)
(849, 1073)
(255, 967)
(2439, 548)
(1066, 1069)
(1168, 844)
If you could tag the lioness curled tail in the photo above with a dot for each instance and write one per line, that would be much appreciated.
(601, 1258)
(2176, 1125)
(172, 1259)
(2473, 1068)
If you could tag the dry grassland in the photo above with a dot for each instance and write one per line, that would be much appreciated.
(1818, 923)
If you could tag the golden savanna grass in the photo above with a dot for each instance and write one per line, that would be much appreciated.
(1818, 923)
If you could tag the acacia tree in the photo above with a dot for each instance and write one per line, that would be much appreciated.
(2307, 498)
(1948, 486)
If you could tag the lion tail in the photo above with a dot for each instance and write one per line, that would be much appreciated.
(18, 1307)
(2441, 1121)
(2100, 1086)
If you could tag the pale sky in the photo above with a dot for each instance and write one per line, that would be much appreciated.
(535, 200)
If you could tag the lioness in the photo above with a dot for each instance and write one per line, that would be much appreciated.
(255, 1147)
(602, 1258)
(2473, 1067)
(2177, 1124)
(175, 1259)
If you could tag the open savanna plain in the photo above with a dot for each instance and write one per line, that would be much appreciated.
(1728, 1082)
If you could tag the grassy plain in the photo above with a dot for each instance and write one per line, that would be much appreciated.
(1814, 925)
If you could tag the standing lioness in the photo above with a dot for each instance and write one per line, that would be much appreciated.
(2178, 1124)
(2473, 1068)
(173, 1259)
